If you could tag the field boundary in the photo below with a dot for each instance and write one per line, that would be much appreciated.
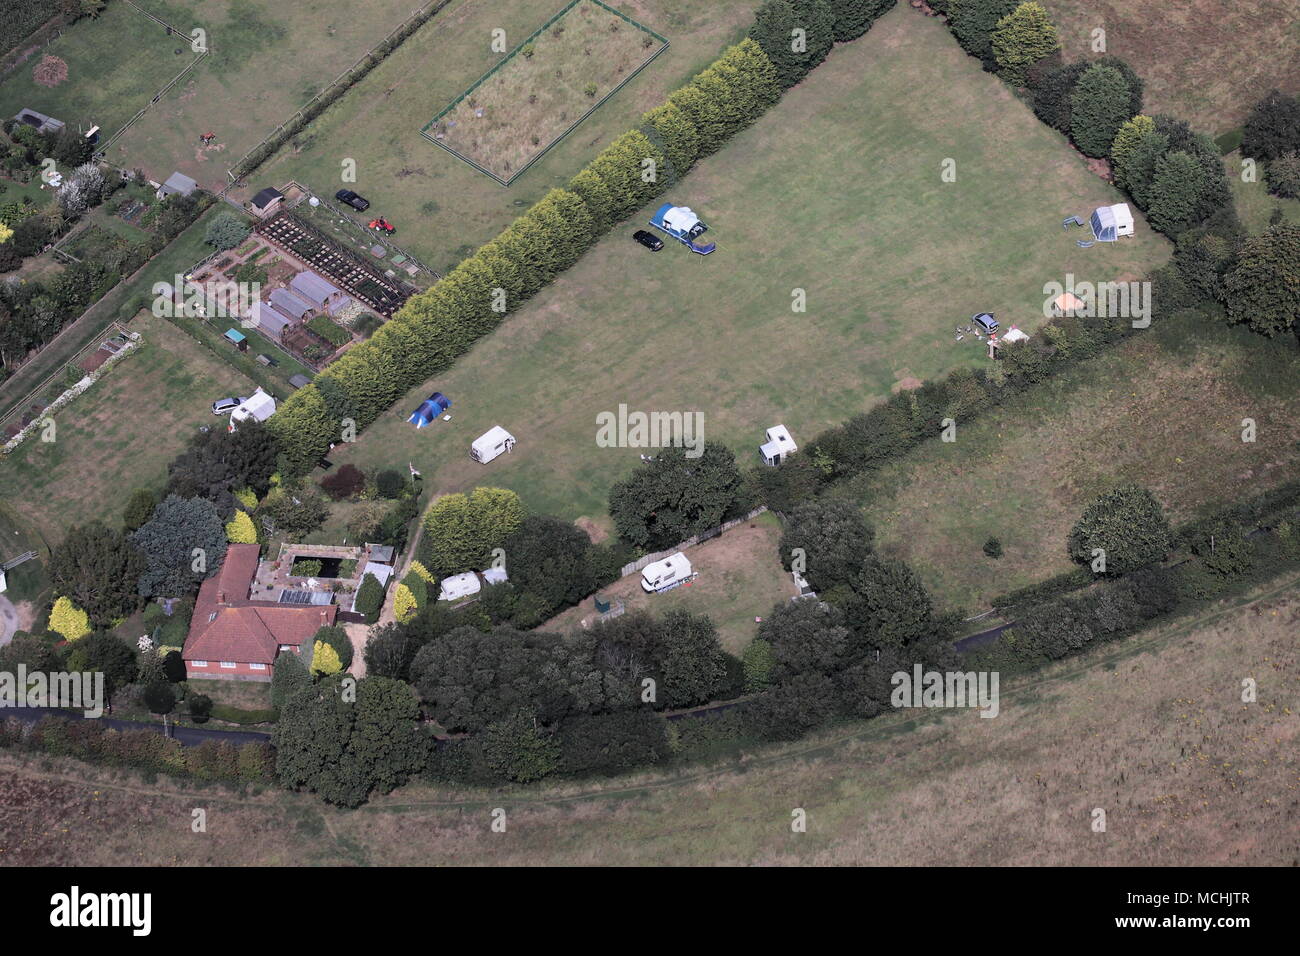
(510, 57)
(332, 91)
(635, 566)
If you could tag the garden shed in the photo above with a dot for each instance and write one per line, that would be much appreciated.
(177, 184)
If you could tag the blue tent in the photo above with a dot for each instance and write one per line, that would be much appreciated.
(682, 224)
(430, 409)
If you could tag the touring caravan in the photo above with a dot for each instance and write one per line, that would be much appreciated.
(668, 573)
(490, 444)
(779, 444)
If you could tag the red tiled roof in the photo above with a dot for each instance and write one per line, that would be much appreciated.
(227, 626)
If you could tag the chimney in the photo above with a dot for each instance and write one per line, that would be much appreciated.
(221, 597)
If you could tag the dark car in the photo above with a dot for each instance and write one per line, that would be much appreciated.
(648, 239)
(359, 203)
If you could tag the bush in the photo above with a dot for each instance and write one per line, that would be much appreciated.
(1283, 176)
(1099, 106)
(329, 330)
(347, 482)
(370, 598)
(1127, 525)
(1022, 38)
(160, 698)
(390, 483)
(200, 708)
(612, 743)
(993, 548)
(226, 231)
(306, 568)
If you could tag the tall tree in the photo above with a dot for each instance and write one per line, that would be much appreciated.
(1127, 526)
(183, 543)
(99, 569)
(1263, 290)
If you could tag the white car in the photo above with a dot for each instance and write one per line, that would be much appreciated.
(224, 406)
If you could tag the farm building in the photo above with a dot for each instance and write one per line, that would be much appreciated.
(429, 410)
(268, 320)
(682, 224)
(320, 293)
(665, 574)
(290, 304)
(1110, 223)
(779, 444)
(259, 407)
(267, 201)
(177, 184)
(491, 444)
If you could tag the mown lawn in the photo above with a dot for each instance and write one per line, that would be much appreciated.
(1164, 410)
(442, 207)
(121, 434)
(836, 191)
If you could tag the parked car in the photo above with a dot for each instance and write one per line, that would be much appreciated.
(347, 196)
(648, 239)
(985, 322)
(224, 406)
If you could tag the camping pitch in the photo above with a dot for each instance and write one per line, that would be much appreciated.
(429, 410)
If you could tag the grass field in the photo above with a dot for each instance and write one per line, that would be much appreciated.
(507, 119)
(1204, 61)
(116, 63)
(442, 207)
(1254, 204)
(267, 60)
(121, 434)
(836, 191)
(740, 579)
(1151, 729)
(1164, 410)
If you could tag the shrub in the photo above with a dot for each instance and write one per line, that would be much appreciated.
(1128, 525)
(993, 548)
(1022, 38)
(1283, 176)
(69, 620)
(306, 568)
(200, 708)
(348, 482)
(390, 483)
(370, 598)
(226, 231)
(240, 529)
(1099, 106)
(404, 603)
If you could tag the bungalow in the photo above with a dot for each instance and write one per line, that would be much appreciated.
(232, 637)
(320, 293)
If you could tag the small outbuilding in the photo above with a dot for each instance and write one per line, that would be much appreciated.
(491, 444)
(778, 446)
(668, 573)
(267, 201)
(236, 338)
(299, 381)
(1110, 223)
(177, 184)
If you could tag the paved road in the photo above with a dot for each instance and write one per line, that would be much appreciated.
(188, 736)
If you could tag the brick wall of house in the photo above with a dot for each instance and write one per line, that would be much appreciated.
(214, 671)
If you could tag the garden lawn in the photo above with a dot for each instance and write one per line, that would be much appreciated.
(442, 207)
(835, 191)
(1163, 410)
(740, 579)
(121, 434)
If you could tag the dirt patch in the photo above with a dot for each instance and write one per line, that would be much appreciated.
(51, 71)
(595, 533)
(1100, 168)
(907, 383)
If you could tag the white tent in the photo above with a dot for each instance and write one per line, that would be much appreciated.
(661, 575)
(259, 407)
(778, 445)
(1015, 335)
(496, 576)
(459, 586)
(491, 444)
(681, 219)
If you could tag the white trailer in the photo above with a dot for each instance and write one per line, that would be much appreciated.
(666, 574)
(779, 444)
(495, 441)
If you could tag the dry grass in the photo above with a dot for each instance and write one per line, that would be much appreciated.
(1024, 472)
(740, 578)
(544, 88)
(1152, 730)
(1204, 61)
